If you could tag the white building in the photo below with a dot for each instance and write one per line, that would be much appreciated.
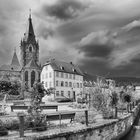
(65, 78)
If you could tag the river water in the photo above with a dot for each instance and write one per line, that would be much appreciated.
(134, 134)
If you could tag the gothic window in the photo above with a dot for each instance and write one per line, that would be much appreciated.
(30, 49)
(32, 78)
(26, 76)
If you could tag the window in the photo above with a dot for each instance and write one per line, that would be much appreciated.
(69, 94)
(50, 74)
(62, 93)
(57, 83)
(30, 49)
(26, 76)
(62, 68)
(57, 74)
(66, 75)
(46, 67)
(46, 84)
(74, 70)
(46, 75)
(62, 83)
(81, 85)
(70, 84)
(77, 85)
(73, 76)
(70, 76)
(33, 77)
(50, 84)
(62, 74)
(57, 93)
(66, 84)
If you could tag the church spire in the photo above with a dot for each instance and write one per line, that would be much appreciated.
(15, 59)
(29, 35)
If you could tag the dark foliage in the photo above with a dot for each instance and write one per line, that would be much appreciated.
(3, 130)
(127, 98)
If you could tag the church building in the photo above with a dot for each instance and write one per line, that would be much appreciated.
(27, 70)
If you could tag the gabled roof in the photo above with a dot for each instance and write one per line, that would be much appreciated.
(15, 60)
(32, 64)
(89, 78)
(64, 67)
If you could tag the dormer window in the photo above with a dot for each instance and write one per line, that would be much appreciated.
(74, 70)
(62, 68)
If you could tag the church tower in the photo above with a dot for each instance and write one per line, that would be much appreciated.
(29, 49)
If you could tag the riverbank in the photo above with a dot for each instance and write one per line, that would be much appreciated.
(107, 129)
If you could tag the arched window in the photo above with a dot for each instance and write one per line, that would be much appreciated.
(26, 76)
(30, 49)
(32, 78)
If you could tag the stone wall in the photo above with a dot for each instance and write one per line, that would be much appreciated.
(114, 129)
(106, 130)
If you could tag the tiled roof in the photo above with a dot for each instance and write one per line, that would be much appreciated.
(32, 64)
(64, 67)
(88, 77)
(10, 68)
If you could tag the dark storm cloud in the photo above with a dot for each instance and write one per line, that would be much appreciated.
(64, 9)
(97, 44)
(96, 50)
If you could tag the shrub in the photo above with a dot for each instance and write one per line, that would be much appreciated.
(3, 130)
(107, 113)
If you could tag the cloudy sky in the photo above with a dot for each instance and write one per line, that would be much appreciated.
(101, 36)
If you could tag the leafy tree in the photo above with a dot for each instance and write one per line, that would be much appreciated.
(114, 99)
(10, 87)
(35, 109)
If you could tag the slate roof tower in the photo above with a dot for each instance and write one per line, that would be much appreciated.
(29, 49)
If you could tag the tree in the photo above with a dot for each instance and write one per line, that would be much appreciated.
(114, 99)
(9, 87)
(35, 110)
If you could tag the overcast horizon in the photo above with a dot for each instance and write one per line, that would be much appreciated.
(101, 36)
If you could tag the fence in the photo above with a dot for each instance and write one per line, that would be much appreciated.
(82, 116)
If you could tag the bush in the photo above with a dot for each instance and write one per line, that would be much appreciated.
(107, 114)
(3, 130)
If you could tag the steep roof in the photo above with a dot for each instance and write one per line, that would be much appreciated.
(15, 60)
(64, 67)
(32, 64)
(29, 35)
(88, 77)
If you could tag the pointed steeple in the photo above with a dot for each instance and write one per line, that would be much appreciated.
(15, 59)
(29, 35)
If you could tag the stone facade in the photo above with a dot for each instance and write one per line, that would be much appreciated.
(28, 70)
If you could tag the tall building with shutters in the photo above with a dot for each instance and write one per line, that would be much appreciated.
(27, 70)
